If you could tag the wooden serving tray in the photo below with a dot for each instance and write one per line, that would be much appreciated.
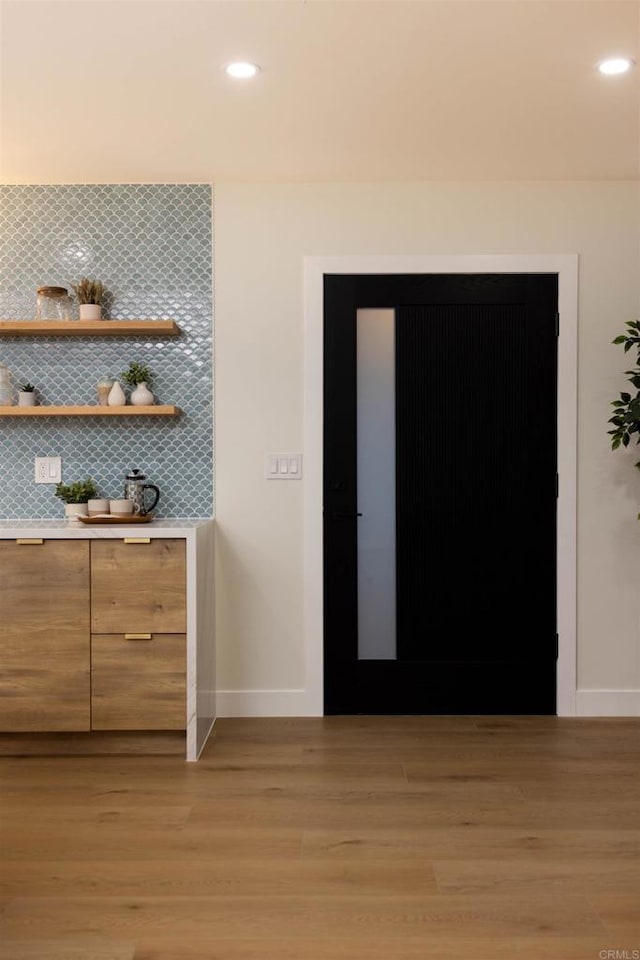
(133, 518)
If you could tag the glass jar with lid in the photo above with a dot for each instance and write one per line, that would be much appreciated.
(6, 391)
(53, 303)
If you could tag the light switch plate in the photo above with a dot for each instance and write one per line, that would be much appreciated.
(48, 469)
(283, 466)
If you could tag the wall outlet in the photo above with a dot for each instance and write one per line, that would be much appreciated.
(48, 469)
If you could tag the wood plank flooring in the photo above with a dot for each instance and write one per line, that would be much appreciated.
(359, 838)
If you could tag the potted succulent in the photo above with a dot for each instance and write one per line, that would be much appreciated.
(90, 294)
(27, 395)
(626, 409)
(139, 377)
(76, 496)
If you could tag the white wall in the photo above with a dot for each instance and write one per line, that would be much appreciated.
(262, 233)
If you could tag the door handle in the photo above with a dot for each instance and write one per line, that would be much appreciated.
(343, 516)
(137, 636)
(136, 539)
(29, 540)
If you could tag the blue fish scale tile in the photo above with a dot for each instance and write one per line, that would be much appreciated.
(150, 244)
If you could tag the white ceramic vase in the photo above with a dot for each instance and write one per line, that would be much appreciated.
(90, 311)
(116, 396)
(26, 398)
(142, 396)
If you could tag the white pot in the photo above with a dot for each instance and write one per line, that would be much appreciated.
(116, 396)
(73, 510)
(26, 398)
(90, 311)
(142, 396)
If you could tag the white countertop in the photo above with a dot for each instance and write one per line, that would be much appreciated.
(74, 529)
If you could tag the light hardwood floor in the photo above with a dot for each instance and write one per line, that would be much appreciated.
(332, 839)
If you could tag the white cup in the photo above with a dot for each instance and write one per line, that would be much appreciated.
(96, 507)
(121, 508)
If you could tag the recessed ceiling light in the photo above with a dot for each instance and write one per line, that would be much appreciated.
(242, 70)
(615, 65)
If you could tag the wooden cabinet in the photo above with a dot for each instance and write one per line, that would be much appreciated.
(138, 586)
(138, 682)
(138, 642)
(106, 637)
(93, 635)
(44, 630)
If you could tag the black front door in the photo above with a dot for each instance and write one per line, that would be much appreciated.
(474, 361)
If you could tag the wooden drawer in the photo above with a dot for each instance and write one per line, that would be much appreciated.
(44, 635)
(138, 587)
(138, 684)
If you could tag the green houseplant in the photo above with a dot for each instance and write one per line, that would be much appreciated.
(626, 409)
(626, 413)
(139, 376)
(90, 294)
(135, 374)
(76, 495)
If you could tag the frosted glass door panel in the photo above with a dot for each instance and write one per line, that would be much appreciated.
(376, 454)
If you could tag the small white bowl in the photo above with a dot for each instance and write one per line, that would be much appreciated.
(121, 508)
(97, 507)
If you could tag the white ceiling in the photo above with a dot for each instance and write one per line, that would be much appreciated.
(133, 90)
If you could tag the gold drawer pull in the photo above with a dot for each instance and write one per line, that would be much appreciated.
(32, 540)
(136, 539)
(137, 636)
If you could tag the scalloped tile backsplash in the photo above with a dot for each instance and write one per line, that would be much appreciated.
(151, 245)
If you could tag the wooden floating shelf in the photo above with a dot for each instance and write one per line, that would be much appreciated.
(158, 410)
(88, 328)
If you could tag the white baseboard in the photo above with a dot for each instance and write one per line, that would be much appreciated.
(264, 703)
(608, 703)
(296, 703)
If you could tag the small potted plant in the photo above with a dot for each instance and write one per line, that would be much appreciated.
(27, 395)
(139, 377)
(76, 496)
(90, 294)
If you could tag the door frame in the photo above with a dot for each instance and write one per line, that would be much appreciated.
(566, 267)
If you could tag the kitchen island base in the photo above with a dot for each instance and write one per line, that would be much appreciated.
(140, 661)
